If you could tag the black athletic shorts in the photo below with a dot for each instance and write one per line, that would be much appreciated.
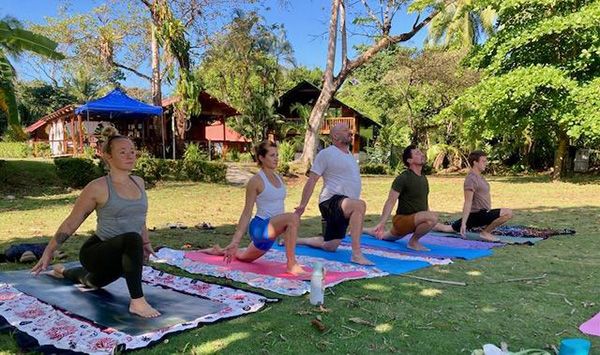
(336, 223)
(481, 218)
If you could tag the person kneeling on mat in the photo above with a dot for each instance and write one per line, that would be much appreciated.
(267, 190)
(477, 208)
(339, 201)
(120, 244)
(411, 190)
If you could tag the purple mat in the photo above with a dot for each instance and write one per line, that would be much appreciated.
(456, 242)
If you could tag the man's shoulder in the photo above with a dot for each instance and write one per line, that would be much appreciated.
(402, 176)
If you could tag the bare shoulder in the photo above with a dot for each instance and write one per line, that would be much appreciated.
(255, 183)
(139, 180)
(96, 185)
(96, 189)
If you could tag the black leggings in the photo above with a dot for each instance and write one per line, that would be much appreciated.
(105, 261)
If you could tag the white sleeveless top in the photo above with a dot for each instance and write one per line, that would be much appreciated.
(271, 201)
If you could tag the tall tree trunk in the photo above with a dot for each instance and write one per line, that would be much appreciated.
(561, 153)
(316, 116)
(311, 138)
(156, 79)
(333, 83)
(155, 84)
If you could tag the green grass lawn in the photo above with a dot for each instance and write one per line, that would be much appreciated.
(409, 316)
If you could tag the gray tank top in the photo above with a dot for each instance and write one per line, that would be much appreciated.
(120, 215)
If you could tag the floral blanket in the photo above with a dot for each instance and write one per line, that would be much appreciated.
(51, 326)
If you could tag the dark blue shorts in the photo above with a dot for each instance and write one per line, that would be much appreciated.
(481, 218)
(258, 229)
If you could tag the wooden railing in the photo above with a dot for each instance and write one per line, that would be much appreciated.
(328, 123)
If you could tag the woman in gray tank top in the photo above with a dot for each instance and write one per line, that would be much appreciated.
(267, 191)
(121, 243)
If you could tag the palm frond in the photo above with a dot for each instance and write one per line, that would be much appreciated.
(23, 40)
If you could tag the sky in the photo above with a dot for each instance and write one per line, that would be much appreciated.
(306, 23)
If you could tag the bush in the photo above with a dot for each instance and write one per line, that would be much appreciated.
(232, 155)
(42, 149)
(194, 153)
(287, 152)
(151, 169)
(175, 169)
(378, 169)
(76, 172)
(200, 170)
(246, 158)
(14, 150)
(283, 169)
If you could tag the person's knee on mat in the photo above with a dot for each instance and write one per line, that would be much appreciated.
(331, 245)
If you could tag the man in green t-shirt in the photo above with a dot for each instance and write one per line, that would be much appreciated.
(411, 190)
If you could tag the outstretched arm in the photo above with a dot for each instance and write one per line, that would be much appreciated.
(386, 212)
(251, 193)
(466, 211)
(84, 206)
(307, 192)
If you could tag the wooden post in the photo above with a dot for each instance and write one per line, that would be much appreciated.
(80, 125)
(224, 137)
(73, 136)
(356, 131)
(63, 124)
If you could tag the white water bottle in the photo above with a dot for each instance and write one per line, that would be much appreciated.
(317, 289)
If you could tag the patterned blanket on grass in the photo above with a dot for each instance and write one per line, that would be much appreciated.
(283, 286)
(53, 327)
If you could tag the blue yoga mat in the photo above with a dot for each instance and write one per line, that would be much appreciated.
(436, 251)
(392, 266)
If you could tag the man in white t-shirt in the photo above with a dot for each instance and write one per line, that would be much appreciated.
(339, 201)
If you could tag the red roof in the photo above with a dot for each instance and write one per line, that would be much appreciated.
(207, 101)
(35, 126)
(58, 113)
(215, 131)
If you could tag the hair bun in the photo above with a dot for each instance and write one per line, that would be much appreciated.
(109, 131)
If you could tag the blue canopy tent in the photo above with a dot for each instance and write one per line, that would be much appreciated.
(118, 106)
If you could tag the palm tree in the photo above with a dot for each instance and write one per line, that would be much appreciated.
(14, 40)
(461, 25)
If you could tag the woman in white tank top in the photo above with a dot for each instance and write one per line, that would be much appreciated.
(267, 190)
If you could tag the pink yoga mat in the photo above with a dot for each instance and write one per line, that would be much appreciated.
(269, 268)
(592, 326)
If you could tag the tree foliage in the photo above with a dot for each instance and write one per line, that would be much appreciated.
(541, 69)
(14, 41)
(405, 89)
(244, 66)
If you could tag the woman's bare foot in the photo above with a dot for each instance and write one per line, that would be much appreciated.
(488, 237)
(57, 271)
(215, 250)
(416, 246)
(297, 270)
(361, 260)
(141, 308)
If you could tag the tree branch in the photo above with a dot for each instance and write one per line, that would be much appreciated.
(141, 75)
(372, 14)
(343, 34)
(333, 23)
(382, 43)
(416, 28)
